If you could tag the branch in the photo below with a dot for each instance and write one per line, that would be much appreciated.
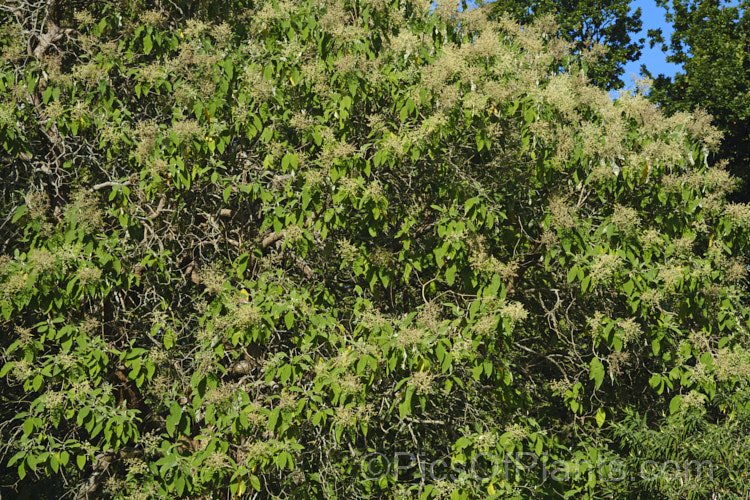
(99, 187)
(424, 421)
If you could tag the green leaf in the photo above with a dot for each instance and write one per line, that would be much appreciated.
(656, 346)
(403, 114)
(585, 282)
(15, 458)
(289, 320)
(384, 278)
(529, 115)
(148, 44)
(600, 416)
(179, 484)
(6, 368)
(404, 408)
(450, 274)
(20, 212)
(655, 381)
(273, 419)
(572, 274)
(596, 372)
(674, 405)
(255, 482)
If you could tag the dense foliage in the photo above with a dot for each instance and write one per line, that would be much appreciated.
(711, 40)
(305, 249)
(605, 24)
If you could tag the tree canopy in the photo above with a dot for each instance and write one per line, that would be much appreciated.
(356, 249)
(607, 24)
(711, 40)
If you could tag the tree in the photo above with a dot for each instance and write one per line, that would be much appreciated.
(711, 41)
(354, 249)
(608, 23)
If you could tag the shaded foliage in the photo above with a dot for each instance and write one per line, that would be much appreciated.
(261, 248)
(711, 40)
(607, 23)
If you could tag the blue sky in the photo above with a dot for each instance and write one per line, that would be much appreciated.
(653, 17)
(654, 59)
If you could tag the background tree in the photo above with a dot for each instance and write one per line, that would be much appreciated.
(711, 40)
(286, 249)
(609, 23)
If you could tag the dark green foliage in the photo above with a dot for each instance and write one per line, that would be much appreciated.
(609, 23)
(248, 249)
(711, 41)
